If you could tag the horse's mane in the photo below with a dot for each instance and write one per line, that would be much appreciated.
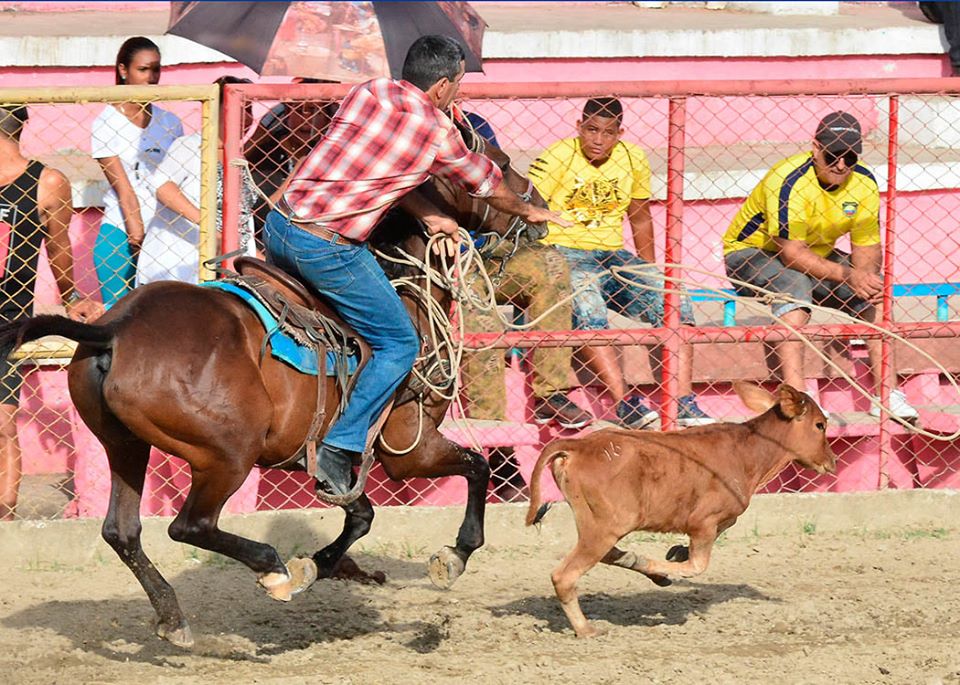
(398, 230)
(477, 143)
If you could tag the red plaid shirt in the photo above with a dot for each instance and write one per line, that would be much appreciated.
(386, 139)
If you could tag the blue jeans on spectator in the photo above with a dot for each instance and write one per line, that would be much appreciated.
(590, 269)
(765, 270)
(351, 280)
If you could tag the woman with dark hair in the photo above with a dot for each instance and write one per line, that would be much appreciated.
(129, 139)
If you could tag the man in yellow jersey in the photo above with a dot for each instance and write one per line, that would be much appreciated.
(595, 180)
(783, 239)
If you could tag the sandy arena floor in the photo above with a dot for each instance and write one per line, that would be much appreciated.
(807, 605)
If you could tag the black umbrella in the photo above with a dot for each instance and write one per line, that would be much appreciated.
(339, 41)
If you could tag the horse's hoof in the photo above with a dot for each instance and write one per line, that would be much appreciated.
(301, 574)
(181, 636)
(347, 569)
(678, 553)
(445, 567)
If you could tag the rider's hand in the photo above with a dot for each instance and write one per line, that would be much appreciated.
(443, 225)
(866, 285)
(537, 215)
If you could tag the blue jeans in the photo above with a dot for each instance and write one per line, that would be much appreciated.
(590, 305)
(765, 270)
(354, 284)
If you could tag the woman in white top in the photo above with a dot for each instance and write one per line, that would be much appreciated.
(129, 139)
(171, 249)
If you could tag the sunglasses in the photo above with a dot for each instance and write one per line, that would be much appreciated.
(832, 158)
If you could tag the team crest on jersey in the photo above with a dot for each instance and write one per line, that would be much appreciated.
(850, 208)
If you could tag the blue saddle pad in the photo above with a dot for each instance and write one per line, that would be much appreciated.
(283, 347)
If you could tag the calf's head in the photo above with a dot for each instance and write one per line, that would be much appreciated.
(802, 427)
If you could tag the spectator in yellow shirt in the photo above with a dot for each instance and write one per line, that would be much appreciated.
(784, 238)
(595, 180)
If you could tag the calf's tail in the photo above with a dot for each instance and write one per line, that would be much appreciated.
(26, 328)
(551, 452)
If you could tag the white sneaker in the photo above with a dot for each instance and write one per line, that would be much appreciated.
(899, 407)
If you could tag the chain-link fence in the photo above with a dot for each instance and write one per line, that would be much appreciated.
(687, 165)
(80, 221)
(704, 186)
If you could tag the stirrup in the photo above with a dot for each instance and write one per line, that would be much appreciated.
(355, 492)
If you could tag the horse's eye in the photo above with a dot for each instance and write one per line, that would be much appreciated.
(821, 426)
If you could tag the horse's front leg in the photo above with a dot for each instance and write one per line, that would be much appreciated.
(356, 524)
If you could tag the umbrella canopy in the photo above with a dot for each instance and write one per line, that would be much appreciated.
(339, 41)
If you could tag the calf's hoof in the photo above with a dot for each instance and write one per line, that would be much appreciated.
(179, 635)
(657, 579)
(678, 553)
(301, 574)
(445, 567)
(590, 630)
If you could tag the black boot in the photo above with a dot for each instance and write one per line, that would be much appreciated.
(334, 469)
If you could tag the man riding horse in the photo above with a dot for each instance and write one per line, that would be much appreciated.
(387, 138)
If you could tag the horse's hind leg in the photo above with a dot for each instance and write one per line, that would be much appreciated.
(128, 459)
(215, 478)
(449, 563)
(437, 457)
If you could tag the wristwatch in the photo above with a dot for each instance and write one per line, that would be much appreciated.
(73, 298)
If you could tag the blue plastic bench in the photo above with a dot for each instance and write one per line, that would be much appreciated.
(941, 291)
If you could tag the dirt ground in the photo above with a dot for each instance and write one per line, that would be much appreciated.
(809, 603)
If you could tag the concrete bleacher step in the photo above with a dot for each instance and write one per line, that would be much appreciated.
(858, 424)
(943, 419)
(489, 433)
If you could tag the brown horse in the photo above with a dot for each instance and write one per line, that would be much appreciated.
(179, 367)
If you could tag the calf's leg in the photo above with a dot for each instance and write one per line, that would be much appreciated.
(591, 547)
(682, 552)
(630, 560)
(693, 564)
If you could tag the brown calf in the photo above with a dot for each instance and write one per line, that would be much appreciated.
(696, 481)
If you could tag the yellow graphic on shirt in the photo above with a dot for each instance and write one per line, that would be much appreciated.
(591, 200)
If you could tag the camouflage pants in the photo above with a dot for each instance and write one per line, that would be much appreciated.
(534, 279)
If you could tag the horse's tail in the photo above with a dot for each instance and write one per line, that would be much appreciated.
(26, 328)
(555, 450)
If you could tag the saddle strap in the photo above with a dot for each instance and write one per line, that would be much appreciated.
(316, 426)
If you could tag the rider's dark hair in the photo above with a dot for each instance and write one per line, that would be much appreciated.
(130, 47)
(609, 108)
(430, 59)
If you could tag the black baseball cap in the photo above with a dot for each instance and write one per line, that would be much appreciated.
(839, 132)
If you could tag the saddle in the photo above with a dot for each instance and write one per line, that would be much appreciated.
(310, 320)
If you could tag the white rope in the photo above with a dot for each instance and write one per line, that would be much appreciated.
(768, 297)
(459, 277)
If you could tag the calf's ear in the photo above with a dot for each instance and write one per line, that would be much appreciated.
(755, 397)
(792, 401)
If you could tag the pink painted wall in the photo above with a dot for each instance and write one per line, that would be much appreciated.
(55, 441)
